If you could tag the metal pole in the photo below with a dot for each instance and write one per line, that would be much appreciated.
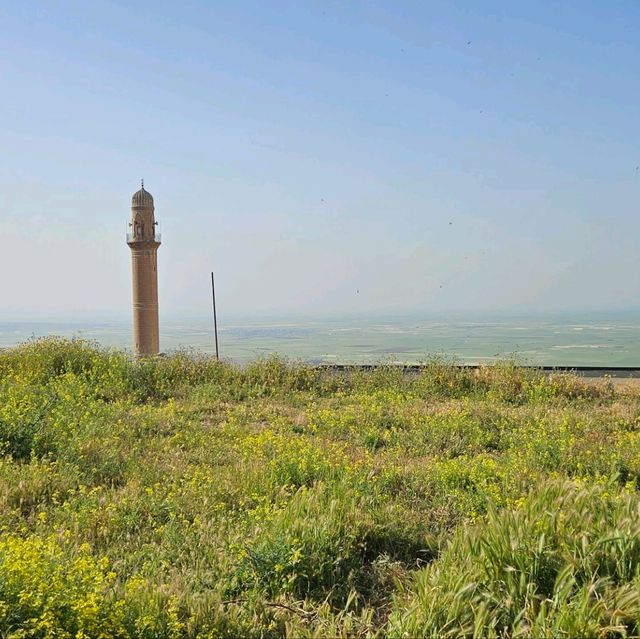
(215, 319)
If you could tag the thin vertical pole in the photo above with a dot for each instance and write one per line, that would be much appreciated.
(215, 319)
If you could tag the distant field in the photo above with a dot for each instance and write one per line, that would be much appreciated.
(543, 340)
(180, 497)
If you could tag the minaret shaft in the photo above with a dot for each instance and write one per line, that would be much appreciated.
(144, 272)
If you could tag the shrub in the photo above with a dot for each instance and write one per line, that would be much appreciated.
(565, 562)
(323, 544)
(47, 590)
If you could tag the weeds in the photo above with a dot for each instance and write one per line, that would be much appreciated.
(184, 497)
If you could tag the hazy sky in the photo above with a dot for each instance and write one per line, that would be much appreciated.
(351, 156)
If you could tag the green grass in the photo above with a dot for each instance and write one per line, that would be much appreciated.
(181, 497)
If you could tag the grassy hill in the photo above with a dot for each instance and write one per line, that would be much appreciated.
(180, 497)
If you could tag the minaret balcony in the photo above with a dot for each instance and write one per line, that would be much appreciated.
(134, 239)
(141, 235)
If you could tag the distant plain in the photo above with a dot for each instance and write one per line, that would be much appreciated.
(561, 340)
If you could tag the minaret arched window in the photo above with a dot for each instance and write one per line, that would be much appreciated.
(138, 228)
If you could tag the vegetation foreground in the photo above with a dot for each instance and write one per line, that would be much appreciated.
(180, 497)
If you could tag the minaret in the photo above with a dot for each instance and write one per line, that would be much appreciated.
(144, 242)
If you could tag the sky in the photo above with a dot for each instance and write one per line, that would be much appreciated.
(325, 157)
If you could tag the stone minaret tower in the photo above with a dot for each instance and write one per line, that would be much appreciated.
(144, 242)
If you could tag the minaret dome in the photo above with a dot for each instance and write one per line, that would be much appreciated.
(142, 199)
